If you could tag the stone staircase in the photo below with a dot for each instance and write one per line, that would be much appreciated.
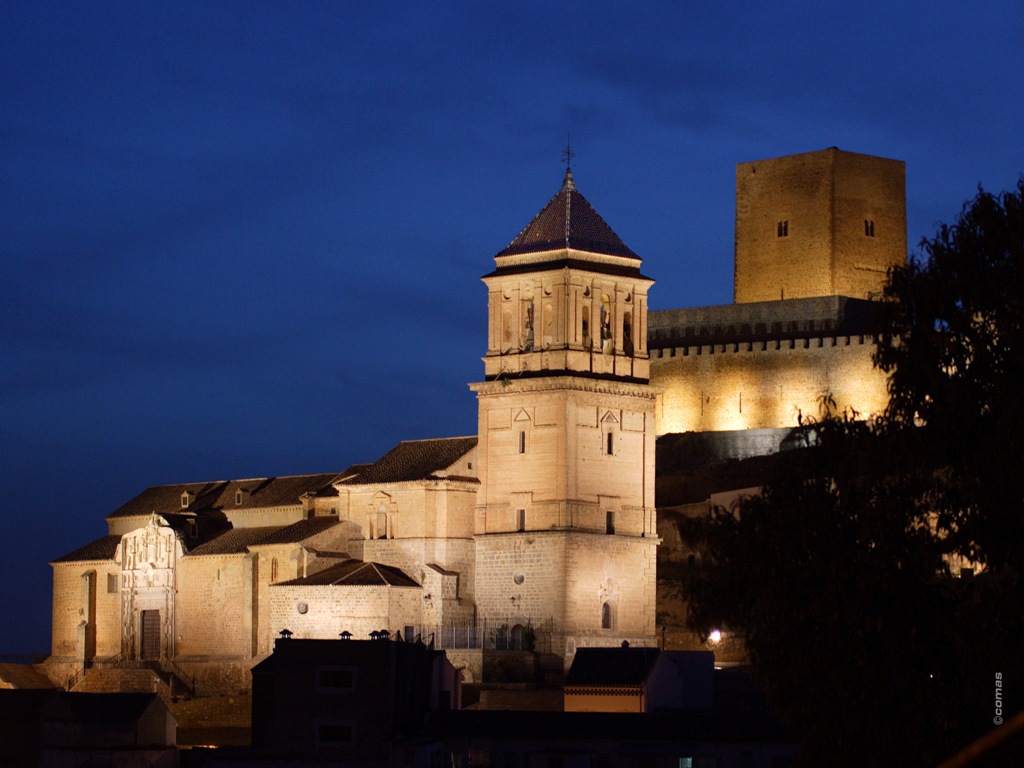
(133, 680)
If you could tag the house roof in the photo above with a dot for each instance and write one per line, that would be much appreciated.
(258, 492)
(611, 666)
(416, 460)
(568, 221)
(354, 573)
(101, 549)
(300, 531)
(238, 540)
(234, 541)
(23, 676)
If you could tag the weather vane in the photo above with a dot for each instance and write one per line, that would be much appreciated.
(567, 153)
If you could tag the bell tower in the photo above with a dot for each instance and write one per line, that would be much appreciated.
(565, 526)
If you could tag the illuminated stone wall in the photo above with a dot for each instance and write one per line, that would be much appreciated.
(74, 585)
(323, 612)
(818, 224)
(760, 385)
(215, 606)
(559, 581)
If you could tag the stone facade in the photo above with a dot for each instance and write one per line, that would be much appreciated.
(826, 223)
(539, 532)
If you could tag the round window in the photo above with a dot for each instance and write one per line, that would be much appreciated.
(302, 607)
(519, 578)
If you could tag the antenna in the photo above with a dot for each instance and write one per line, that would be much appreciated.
(567, 153)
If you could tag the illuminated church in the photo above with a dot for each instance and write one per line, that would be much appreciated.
(540, 532)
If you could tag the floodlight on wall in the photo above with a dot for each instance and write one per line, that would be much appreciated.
(715, 637)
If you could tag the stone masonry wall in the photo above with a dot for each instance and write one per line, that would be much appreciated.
(213, 606)
(70, 608)
(756, 385)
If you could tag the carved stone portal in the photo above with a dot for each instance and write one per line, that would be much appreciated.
(148, 558)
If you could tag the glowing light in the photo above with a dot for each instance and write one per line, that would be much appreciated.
(715, 637)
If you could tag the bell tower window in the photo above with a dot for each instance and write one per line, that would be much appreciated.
(627, 333)
(585, 327)
(528, 337)
(606, 324)
(522, 441)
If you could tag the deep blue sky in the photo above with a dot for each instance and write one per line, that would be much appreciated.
(243, 239)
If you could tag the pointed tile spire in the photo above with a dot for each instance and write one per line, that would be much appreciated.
(568, 221)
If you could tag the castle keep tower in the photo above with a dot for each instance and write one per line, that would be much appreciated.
(826, 223)
(565, 521)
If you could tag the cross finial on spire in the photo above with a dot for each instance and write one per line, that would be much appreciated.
(567, 153)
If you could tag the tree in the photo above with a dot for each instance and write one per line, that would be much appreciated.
(841, 575)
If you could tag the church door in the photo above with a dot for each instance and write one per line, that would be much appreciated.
(150, 647)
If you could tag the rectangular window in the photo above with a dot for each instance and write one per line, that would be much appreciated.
(111, 583)
(335, 733)
(610, 445)
(336, 679)
(782, 228)
(609, 522)
(869, 227)
(521, 520)
(522, 441)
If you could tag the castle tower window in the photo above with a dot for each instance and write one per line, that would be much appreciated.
(869, 227)
(585, 327)
(609, 522)
(521, 520)
(522, 441)
(782, 228)
(606, 616)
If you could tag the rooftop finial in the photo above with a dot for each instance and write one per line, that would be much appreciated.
(567, 156)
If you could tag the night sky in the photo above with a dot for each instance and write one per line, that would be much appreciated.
(245, 239)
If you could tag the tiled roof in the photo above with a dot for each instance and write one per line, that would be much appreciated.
(238, 540)
(299, 531)
(23, 676)
(101, 549)
(355, 573)
(568, 221)
(611, 666)
(234, 541)
(217, 495)
(415, 460)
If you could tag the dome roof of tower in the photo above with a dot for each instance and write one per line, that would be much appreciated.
(568, 221)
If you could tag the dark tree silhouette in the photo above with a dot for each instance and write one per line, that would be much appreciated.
(849, 575)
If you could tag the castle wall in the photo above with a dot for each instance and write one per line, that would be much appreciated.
(764, 384)
(816, 224)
